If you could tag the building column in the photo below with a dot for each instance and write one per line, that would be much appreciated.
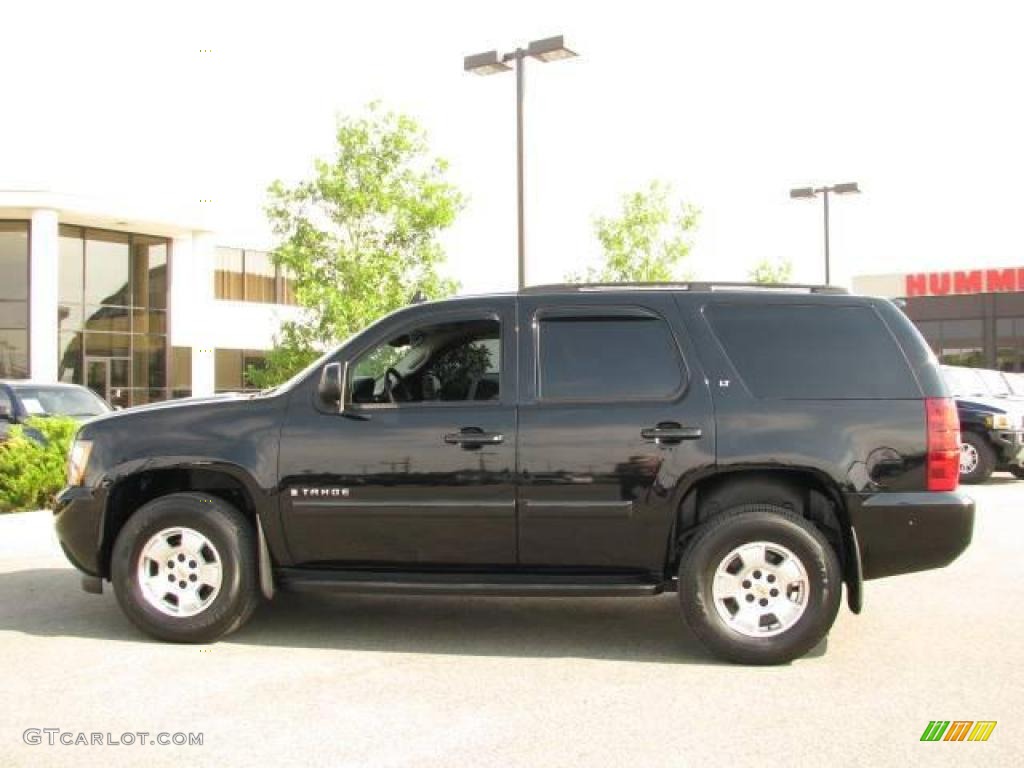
(200, 302)
(44, 247)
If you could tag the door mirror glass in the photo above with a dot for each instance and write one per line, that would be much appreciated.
(332, 384)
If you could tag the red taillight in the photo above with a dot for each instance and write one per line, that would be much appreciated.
(943, 444)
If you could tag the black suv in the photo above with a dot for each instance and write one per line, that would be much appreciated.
(751, 449)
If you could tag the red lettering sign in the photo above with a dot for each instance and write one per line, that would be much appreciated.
(999, 280)
(939, 283)
(967, 282)
(917, 285)
(964, 282)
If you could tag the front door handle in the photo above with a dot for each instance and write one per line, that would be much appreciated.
(671, 432)
(473, 437)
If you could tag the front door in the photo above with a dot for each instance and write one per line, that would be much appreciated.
(419, 470)
(615, 419)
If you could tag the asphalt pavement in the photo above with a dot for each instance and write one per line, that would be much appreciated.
(401, 681)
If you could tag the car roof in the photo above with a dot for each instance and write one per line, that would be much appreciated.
(18, 383)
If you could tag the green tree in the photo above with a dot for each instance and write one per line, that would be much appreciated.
(33, 462)
(772, 271)
(646, 241)
(361, 237)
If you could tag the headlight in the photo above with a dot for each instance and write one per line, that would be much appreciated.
(78, 459)
(1000, 421)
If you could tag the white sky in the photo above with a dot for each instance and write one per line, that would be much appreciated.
(732, 102)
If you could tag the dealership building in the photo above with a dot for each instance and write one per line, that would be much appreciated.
(143, 306)
(972, 317)
(139, 306)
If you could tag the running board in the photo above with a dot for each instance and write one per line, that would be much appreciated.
(488, 584)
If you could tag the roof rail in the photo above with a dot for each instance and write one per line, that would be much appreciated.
(698, 286)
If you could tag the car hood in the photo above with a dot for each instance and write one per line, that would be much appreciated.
(168, 405)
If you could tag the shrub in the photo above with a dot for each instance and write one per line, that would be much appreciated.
(32, 472)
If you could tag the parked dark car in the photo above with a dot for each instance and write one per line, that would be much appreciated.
(751, 449)
(20, 400)
(991, 425)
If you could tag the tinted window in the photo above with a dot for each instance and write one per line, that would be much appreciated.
(444, 362)
(607, 358)
(812, 352)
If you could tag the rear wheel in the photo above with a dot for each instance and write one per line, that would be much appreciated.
(184, 568)
(977, 459)
(759, 585)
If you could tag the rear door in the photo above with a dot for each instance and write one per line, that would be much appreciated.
(615, 417)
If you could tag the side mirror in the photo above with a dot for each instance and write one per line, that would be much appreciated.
(333, 382)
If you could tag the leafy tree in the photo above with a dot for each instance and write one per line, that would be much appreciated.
(769, 271)
(647, 240)
(360, 237)
(33, 462)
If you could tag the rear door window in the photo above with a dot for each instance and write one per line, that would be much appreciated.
(614, 357)
(812, 352)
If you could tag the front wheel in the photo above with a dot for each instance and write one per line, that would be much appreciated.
(184, 568)
(760, 585)
(977, 459)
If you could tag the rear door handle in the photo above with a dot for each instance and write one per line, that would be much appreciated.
(473, 437)
(670, 432)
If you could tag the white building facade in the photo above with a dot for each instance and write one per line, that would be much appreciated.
(138, 305)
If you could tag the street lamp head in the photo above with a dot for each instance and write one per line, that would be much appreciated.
(801, 193)
(486, 63)
(849, 188)
(549, 49)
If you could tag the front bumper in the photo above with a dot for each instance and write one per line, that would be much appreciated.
(1009, 446)
(78, 518)
(907, 532)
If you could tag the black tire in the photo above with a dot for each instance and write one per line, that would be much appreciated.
(234, 540)
(751, 523)
(1016, 470)
(986, 464)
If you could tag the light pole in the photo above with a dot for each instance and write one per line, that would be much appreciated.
(805, 193)
(491, 63)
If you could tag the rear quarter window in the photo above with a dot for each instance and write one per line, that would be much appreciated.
(812, 352)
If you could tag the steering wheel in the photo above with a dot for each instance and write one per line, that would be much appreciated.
(397, 391)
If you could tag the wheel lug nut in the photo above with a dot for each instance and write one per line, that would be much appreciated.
(170, 577)
(757, 574)
(750, 598)
(181, 584)
(191, 563)
(746, 584)
(192, 577)
(771, 578)
(774, 593)
(181, 558)
(170, 563)
(763, 601)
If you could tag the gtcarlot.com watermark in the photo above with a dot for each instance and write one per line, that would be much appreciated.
(58, 737)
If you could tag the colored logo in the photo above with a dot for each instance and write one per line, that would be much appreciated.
(958, 730)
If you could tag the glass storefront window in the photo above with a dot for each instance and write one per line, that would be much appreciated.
(107, 268)
(113, 285)
(14, 299)
(228, 275)
(231, 367)
(149, 272)
(259, 277)
(71, 265)
(251, 276)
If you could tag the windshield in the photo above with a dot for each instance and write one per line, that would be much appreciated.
(60, 401)
(994, 382)
(1015, 382)
(964, 381)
